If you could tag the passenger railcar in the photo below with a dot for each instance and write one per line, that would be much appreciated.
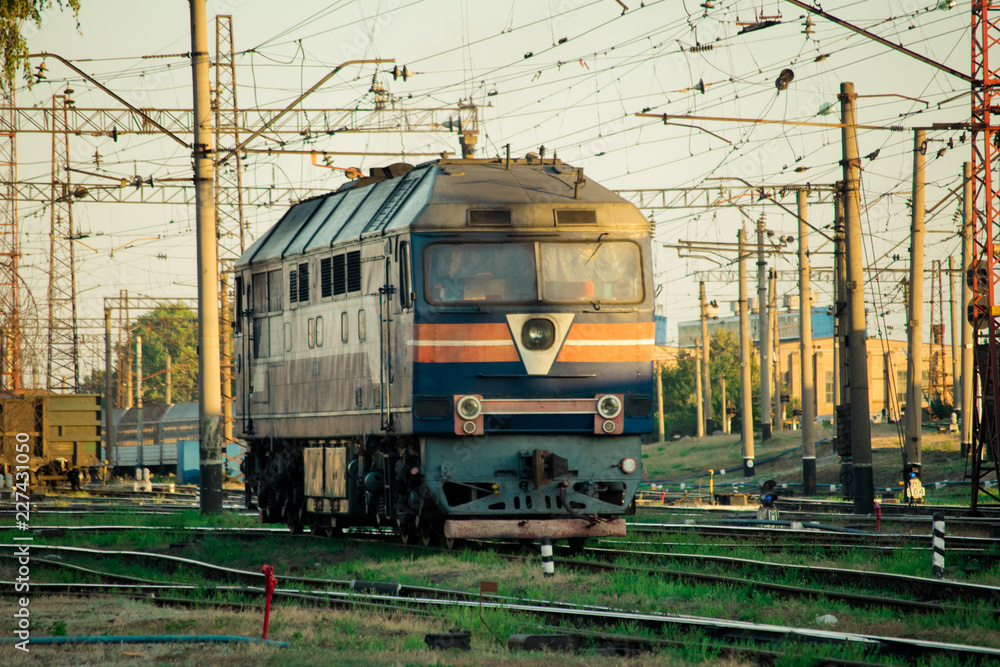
(460, 348)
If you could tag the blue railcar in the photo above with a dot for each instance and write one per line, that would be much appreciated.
(462, 348)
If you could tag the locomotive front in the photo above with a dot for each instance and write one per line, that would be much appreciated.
(493, 370)
(532, 352)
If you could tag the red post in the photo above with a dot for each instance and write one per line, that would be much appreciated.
(878, 516)
(269, 583)
(662, 497)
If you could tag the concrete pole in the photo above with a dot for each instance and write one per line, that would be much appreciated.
(915, 310)
(659, 397)
(138, 401)
(967, 370)
(763, 336)
(725, 415)
(169, 381)
(772, 305)
(109, 413)
(745, 388)
(808, 392)
(956, 370)
(857, 346)
(209, 377)
(706, 378)
(699, 396)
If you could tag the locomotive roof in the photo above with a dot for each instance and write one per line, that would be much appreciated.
(436, 196)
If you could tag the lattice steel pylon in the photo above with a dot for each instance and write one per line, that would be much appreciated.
(983, 310)
(10, 253)
(230, 226)
(63, 368)
(937, 370)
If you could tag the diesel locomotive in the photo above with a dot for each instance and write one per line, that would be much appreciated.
(462, 348)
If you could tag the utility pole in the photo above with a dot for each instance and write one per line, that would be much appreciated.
(763, 336)
(699, 396)
(169, 381)
(806, 354)
(956, 373)
(11, 361)
(914, 327)
(745, 389)
(725, 410)
(209, 377)
(772, 305)
(839, 306)
(936, 365)
(840, 369)
(109, 413)
(967, 370)
(861, 440)
(706, 369)
(659, 398)
(138, 401)
(63, 367)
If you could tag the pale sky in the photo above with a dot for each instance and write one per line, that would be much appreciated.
(566, 74)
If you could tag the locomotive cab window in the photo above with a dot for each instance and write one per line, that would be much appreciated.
(471, 272)
(597, 271)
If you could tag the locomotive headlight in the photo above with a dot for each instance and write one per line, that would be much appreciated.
(629, 465)
(538, 334)
(609, 406)
(469, 407)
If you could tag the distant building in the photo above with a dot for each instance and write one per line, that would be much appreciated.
(886, 362)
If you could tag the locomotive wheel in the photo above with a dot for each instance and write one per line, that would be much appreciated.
(576, 545)
(428, 540)
(407, 537)
(454, 543)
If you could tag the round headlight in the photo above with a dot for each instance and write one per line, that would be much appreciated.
(538, 334)
(629, 465)
(469, 407)
(609, 406)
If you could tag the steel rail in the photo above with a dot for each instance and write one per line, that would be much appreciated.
(740, 631)
(933, 588)
(853, 599)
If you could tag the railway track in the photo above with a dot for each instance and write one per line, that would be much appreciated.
(423, 599)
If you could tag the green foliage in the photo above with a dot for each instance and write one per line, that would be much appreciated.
(941, 408)
(679, 383)
(170, 328)
(15, 15)
(59, 628)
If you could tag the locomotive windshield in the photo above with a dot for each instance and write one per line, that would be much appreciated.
(608, 272)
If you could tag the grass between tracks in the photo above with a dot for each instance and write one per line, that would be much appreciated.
(689, 460)
(370, 636)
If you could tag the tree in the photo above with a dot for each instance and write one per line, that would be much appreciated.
(680, 411)
(170, 328)
(14, 16)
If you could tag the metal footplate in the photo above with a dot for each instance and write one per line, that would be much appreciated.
(533, 528)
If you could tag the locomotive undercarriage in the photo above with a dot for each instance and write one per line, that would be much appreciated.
(417, 488)
(381, 487)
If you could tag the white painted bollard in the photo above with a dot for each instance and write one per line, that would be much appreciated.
(937, 545)
(147, 485)
(548, 567)
(138, 479)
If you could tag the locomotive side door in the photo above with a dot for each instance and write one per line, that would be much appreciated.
(242, 329)
(386, 376)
